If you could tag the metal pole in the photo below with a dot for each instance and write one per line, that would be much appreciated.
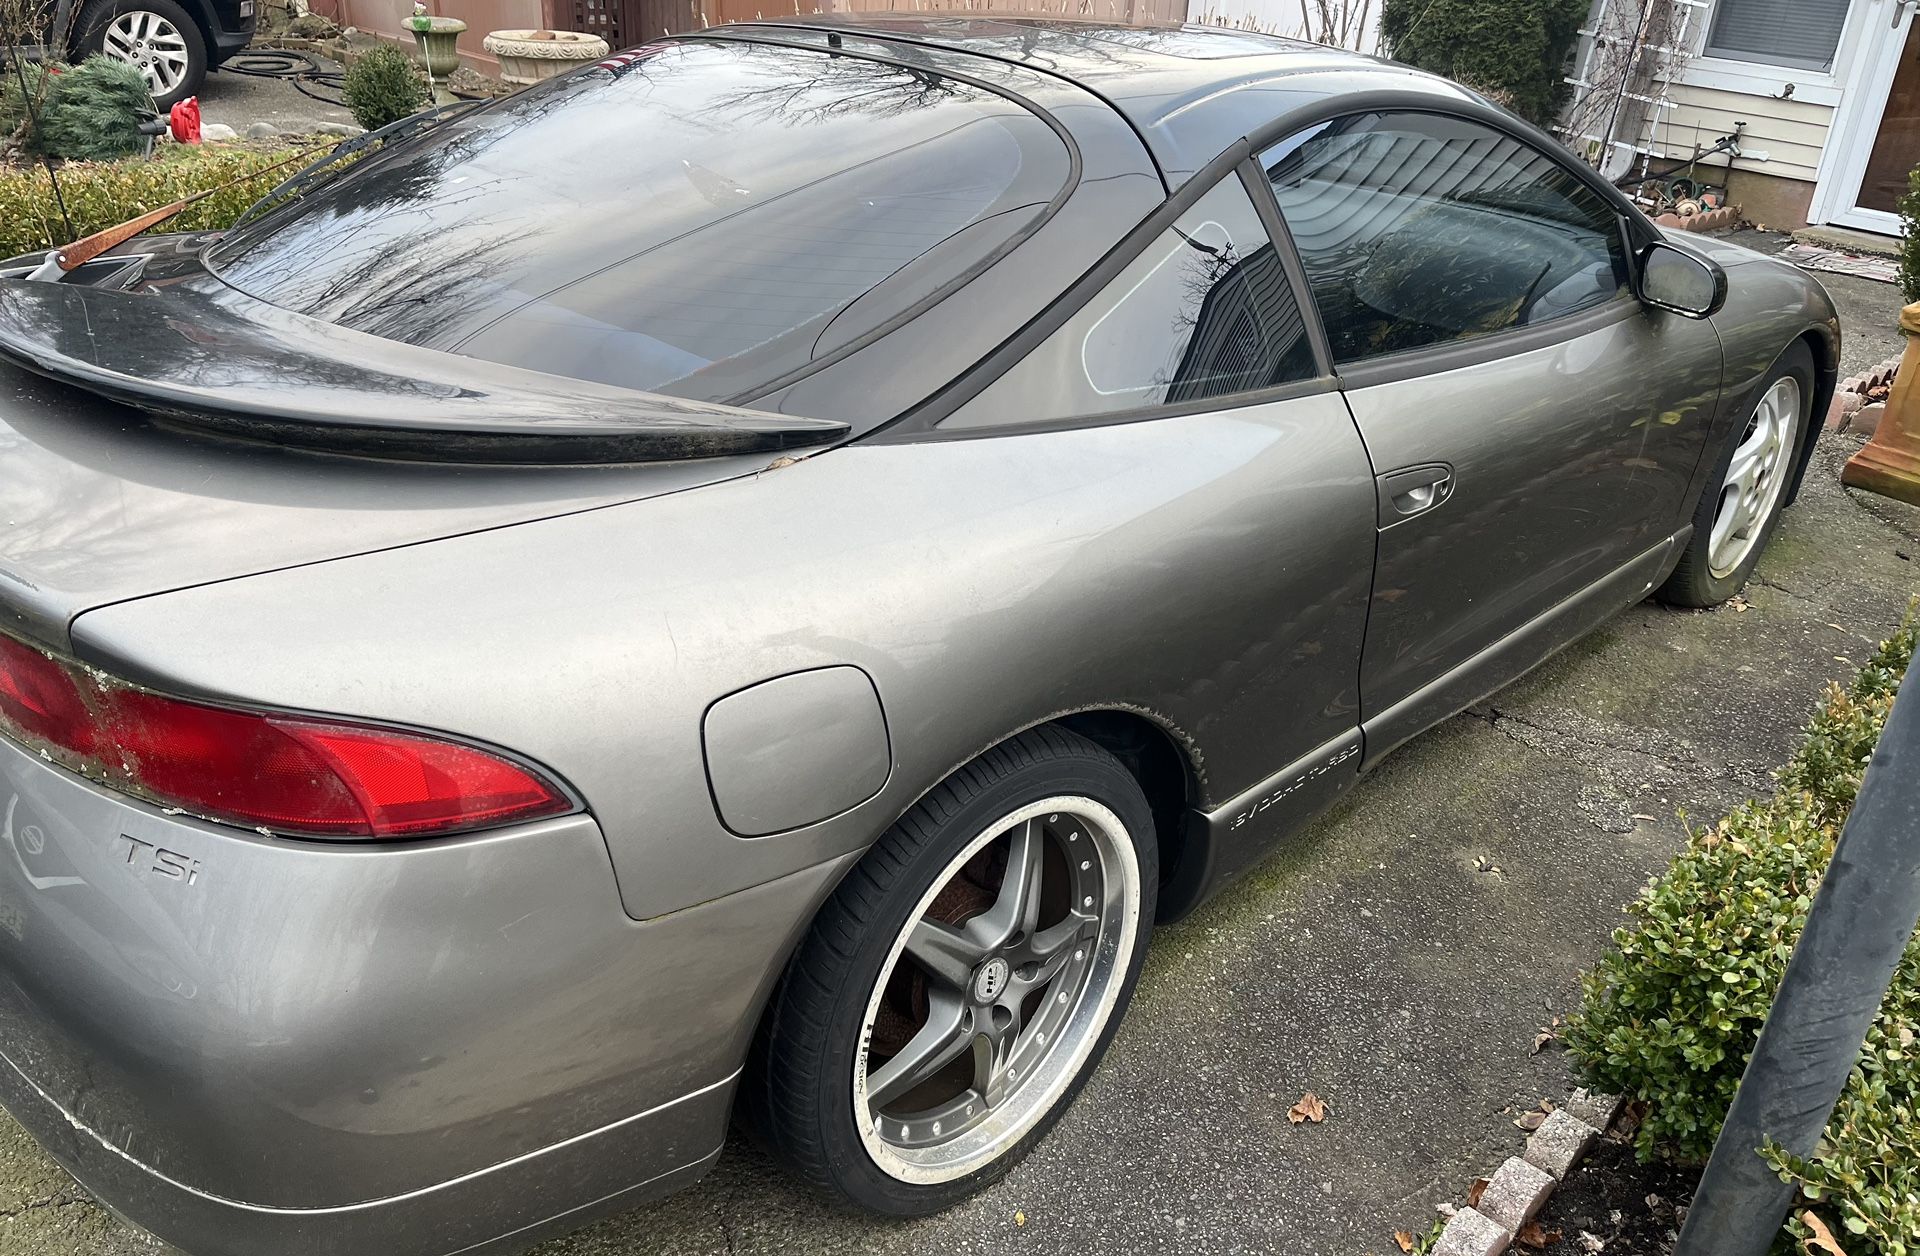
(1862, 918)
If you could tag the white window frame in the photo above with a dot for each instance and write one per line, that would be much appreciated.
(1767, 78)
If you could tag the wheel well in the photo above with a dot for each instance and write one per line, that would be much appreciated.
(1826, 377)
(1163, 768)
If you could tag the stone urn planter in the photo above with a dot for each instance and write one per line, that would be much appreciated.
(529, 56)
(438, 38)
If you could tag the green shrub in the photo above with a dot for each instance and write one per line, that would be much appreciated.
(1909, 208)
(98, 195)
(91, 112)
(1514, 51)
(382, 87)
(1671, 1013)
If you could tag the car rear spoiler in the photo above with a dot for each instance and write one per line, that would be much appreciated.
(224, 362)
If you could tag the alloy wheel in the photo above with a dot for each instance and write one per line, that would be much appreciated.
(150, 44)
(997, 990)
(1755, 478)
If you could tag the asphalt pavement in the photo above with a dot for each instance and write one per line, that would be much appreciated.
(1398, 958)
(240, 100)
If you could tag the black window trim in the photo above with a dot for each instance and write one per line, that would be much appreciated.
(921, 422)
(1507, 342)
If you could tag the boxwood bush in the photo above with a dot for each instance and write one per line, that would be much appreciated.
(100, 194)
(382, 87)
(1671, 1013)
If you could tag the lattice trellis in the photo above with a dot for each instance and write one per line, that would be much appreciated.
(1631, 54)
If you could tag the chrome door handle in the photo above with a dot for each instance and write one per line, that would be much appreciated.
(1412, 491)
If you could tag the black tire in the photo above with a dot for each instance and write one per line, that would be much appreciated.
(99, 15)
(1694, 582)
(798, 1096)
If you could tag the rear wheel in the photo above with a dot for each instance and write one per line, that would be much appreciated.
(960, 986)
(156, 37)
(1737, 514)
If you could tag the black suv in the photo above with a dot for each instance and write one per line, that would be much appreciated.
(172, 42)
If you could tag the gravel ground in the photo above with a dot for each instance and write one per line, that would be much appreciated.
(1397, 958)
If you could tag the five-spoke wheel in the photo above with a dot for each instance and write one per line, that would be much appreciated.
(995, 989)
(1755, 477)
(963, 981)
(1742, 502)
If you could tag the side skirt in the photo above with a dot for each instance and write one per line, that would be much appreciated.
(1520, 651)
(1223, 844)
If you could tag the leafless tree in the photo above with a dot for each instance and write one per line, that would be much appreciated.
(1637, 48)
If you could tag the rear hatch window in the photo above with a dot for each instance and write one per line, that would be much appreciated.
(703, 219)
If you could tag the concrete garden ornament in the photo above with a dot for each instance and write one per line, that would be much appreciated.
(530, 56)
(438, 39)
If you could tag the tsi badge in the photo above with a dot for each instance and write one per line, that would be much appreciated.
(161, 862)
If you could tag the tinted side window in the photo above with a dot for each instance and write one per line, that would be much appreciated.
(1205, 311)
(1417, 230)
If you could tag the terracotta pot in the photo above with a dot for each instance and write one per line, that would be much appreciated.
(529, 56)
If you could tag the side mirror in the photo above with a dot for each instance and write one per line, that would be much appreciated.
(1673, 279)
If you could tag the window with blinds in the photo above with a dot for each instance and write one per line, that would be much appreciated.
(1779, 32)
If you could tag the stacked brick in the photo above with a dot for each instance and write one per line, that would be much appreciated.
(1520, 1189)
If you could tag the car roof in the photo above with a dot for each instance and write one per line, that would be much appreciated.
(1190, 91)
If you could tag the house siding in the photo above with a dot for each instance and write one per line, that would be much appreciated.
(1790, 132)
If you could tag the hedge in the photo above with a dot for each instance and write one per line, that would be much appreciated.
(1671, 1013)
(100, 194)
(1514, 51)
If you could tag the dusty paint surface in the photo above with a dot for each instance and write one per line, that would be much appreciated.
(1397, 959)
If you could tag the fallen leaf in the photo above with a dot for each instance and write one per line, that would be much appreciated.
(1531, 1121)
(1532, 1235)
(1592, 1242)
(1405, 1240)
(1475, 1191)
(1541, 1039)
(1822, 1237)
(1019, 1218)
(1310, 1108)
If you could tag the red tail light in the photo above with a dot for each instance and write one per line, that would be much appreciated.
(284, 773)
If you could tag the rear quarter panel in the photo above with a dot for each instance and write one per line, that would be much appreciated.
(1207, 571)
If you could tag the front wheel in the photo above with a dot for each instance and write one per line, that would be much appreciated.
(156, 37)
(1741, 506)
(959, 987)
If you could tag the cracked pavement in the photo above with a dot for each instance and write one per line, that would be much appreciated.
(1397, 958)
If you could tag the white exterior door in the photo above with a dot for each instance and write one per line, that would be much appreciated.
(1875, 137)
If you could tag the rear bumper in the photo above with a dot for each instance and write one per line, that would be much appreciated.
(248, 1045)
(499, 1209)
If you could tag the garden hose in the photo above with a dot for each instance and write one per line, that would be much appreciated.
(304, 70)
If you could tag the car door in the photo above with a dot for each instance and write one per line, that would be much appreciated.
(1532, 426)
(1247, 632)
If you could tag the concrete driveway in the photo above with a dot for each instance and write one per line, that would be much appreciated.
(1397, 959)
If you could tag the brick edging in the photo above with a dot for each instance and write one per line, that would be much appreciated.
(1517, 1192)
(1705, 220)
(1849, 411)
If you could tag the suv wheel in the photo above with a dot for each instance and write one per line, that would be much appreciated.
(156, 37)
(962, 983)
